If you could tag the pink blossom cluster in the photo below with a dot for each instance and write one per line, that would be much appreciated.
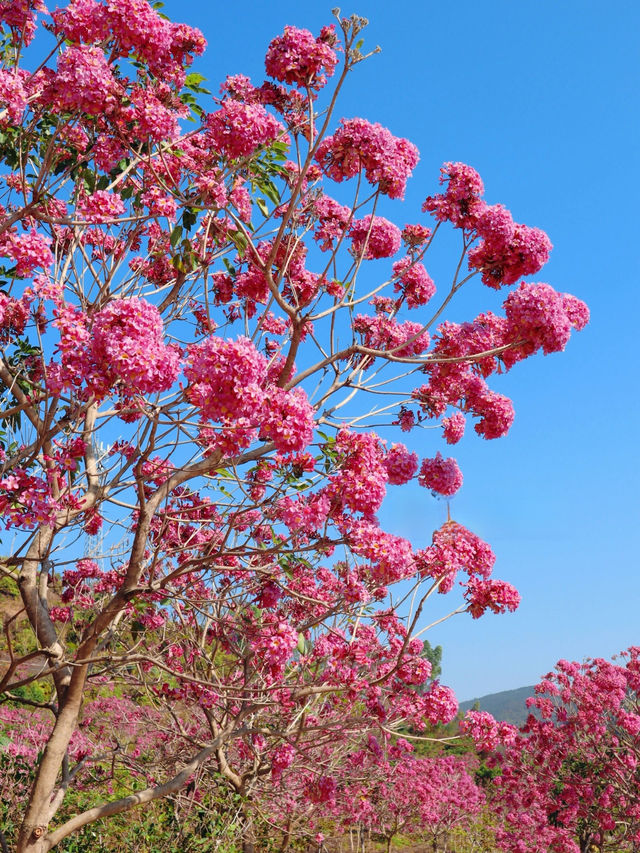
(100, 206)
(304, 516)
(454, 549)
(29, 251)
(542, 319)
(360, 484)
(537, 317)
(14, 314)
(288, 419)
(388, 335)
(238, 130)
(507, 250)
(331, 221)
(20, 16)
(374, 237)
(127, 346)
(440, 475)
(26, 500)
(226, 378)
(131, 26)
(84, 82)
(461, 203)
(275, 645)
(415, 236)
(391, 556)
(229, 384)
(13, 96)
(413, 282)
(297, 57)
(453, 427)
(495, 595)
(358, 145)
(401, 464)
(485, 731)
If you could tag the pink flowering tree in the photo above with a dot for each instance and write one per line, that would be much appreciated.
(193, 332)
(570, 781)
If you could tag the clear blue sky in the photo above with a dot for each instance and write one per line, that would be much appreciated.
(541, 98)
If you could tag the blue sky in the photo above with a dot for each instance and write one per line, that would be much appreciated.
(541, 98)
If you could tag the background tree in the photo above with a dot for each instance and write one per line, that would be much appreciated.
(570, 780)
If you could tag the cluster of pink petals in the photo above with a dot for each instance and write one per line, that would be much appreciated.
(331, 222)
(29, 251)
(275, 645)
(374, 237)
(20, 16)
(226, 378)
(359, 145)
(14, 314)
(229, 384)
(128, 347)
(386, 334)
(401, 464)
(507, 250)
(486, 732)
(455, 549)
(453, 427)
(13, 96)
(100, 206)
(84, 82)
(414, 236)
(238, 130)
(297, 57)
(495, 595)
(461, 203)
(391, 557)
(288, 419)
(440, 475)
(413, 281)
(360, 484)
(131, 26)
(542, 318)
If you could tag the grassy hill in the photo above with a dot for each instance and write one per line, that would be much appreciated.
(509, 705)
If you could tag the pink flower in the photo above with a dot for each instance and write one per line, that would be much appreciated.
(359, 145)
(401, 465)
(440, 475)
(508, 250)
(128, 346)
(84, 82)
(413, 281)
(453, 427)
(299, 58)
(101, 206)
(495, 595)
(374, 237)
(461, 203)
(238, 130)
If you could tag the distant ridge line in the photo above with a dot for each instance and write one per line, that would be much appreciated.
(507, 705)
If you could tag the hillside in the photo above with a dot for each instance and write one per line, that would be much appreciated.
(508, 705)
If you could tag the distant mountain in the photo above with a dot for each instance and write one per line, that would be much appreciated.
(509, 705)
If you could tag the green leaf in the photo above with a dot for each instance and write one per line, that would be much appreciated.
(262, 207)
(358, 44)
(302, 643)
(194, 78)
(176, 236)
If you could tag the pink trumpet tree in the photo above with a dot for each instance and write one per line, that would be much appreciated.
(192, 333)
(570, 781)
